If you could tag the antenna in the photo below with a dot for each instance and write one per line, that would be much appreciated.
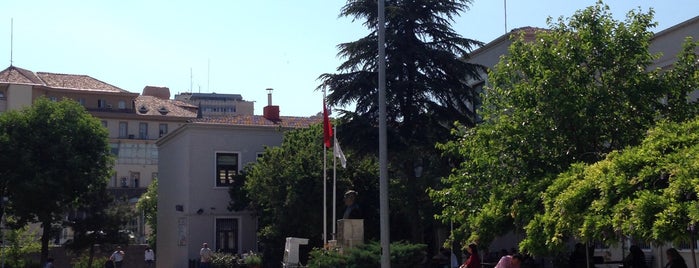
(505, 7)
(208, 70)
(190, 80)
(12, 29)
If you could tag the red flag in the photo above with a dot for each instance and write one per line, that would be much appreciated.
(327, 127)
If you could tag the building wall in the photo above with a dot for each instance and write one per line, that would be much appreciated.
(187, 177)
(19, 96)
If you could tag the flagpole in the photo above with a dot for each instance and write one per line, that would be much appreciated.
(383, 155)
(334, 180)
(325, 196)
(325, 176)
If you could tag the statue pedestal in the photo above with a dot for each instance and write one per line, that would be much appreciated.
(350, 232)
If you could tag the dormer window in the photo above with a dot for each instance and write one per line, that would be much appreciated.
(163, 110)
(143, 109)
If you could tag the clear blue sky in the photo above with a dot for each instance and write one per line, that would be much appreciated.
(238, 46)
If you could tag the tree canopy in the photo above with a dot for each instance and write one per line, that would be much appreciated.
(56, 154)
(580, 90)
(426, 91)
(647, 192)
(285, 189)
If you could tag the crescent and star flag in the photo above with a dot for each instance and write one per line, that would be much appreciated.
(327, 127)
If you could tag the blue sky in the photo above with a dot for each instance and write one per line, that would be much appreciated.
(238, 46)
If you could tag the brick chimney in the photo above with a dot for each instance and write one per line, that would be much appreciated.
(158, 92)
(271, 112)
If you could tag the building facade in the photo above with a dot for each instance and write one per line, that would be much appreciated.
(197, 166)
(134, 123)
(217, 105)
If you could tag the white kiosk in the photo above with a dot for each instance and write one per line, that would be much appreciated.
(291, 251)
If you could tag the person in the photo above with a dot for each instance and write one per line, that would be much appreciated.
(510, 261)
(579, 258)
(49, 263)
(474, 260)
(149, 257)
(352, 208)
(205, 255)
(636, 258)
(674, 259)
(117, 257)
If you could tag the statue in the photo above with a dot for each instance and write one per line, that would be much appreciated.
(352, 208)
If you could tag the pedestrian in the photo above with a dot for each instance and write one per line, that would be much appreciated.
(205, 255)
(474, 260)
(636, 258)
(49, 263)
(674, 259)
(117, 257)
(510, 261)
(149, 256)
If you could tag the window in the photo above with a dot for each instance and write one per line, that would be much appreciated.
(227, 235)
(114, 149)
(101, 103)
(104, 123)
(226, 168)
(81, 101)
(143, 131)
(685, 245)
(154, 175)
(135, 178)
(122, 105)
(123, 129)
(163, 129)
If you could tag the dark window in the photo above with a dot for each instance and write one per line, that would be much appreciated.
(143, 131)
(123, 130)
(226, 168)
(227, 235)
(163, 129)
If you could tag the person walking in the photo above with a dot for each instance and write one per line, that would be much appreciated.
(117, 257)
(149, 257)
(205, 255)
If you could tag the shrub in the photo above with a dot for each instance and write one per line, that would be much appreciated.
(403, 255)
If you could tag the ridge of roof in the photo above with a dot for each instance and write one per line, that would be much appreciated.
(259, 120)
(14, 74)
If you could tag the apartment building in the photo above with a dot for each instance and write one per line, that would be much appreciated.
(217, 105)
(135, 121)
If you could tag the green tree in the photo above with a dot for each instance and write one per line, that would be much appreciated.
(17, 244)
(577, 92)
(426, 91)
(148, 205)
(98, 223)
(285, 189)
(59, 155)
(648, 192)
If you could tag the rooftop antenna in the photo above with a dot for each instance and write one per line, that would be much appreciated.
(12, 29)
(208, 70)
(505, 7)
(190, 80)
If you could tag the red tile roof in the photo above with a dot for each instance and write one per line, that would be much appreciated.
(150, 105)
(16, 75)
(258, 120)
(74, 81)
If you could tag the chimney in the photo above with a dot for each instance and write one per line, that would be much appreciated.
(158, 92)
(271, 112)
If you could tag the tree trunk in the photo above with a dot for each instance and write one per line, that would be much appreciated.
(45, 236)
